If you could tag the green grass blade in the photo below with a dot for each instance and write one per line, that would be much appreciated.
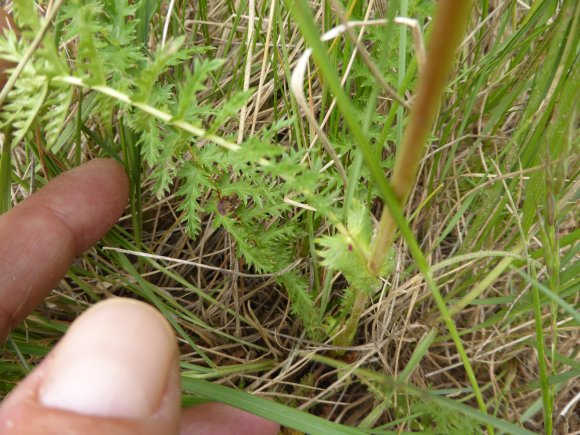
(289, 417)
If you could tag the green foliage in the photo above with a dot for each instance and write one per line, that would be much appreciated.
(349, 252)
(440, 420)
(33, 96)
(56, 110)
(194, 180)
(26, 16)
(187, 107)
(27, 98)
(302, 304)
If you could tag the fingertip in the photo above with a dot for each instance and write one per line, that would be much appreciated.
(115, 371)
(115, 361)
(110, 166)
(109, 176)
(130, 308)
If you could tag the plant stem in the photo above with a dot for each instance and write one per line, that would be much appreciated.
(346, 337)
(449, 26)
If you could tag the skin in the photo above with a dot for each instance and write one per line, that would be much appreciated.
(39, 239)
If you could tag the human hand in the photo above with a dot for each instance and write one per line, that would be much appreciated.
(116, 369)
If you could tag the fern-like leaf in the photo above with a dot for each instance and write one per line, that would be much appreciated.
(84, 23)
(24, 102)
(302, 304)
(164, 58)
(348, 253)
(193, 180)
(231, 107)
(187, 107)
(26, 16)
(56, 110)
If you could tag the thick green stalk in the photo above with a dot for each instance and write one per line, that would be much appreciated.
(346, 336)
(448, 28)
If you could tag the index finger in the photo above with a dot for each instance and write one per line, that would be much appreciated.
(40, 237)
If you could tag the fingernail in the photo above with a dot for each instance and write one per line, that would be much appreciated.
(114, 361)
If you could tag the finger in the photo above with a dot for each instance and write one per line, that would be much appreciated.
(217, 419)
(115, 372)
(40, 237)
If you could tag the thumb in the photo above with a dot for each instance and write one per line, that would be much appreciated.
(114, 372)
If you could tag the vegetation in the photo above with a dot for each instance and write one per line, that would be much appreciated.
(380, 240)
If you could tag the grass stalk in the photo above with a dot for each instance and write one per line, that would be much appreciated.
(541, 354)
(5, 172)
